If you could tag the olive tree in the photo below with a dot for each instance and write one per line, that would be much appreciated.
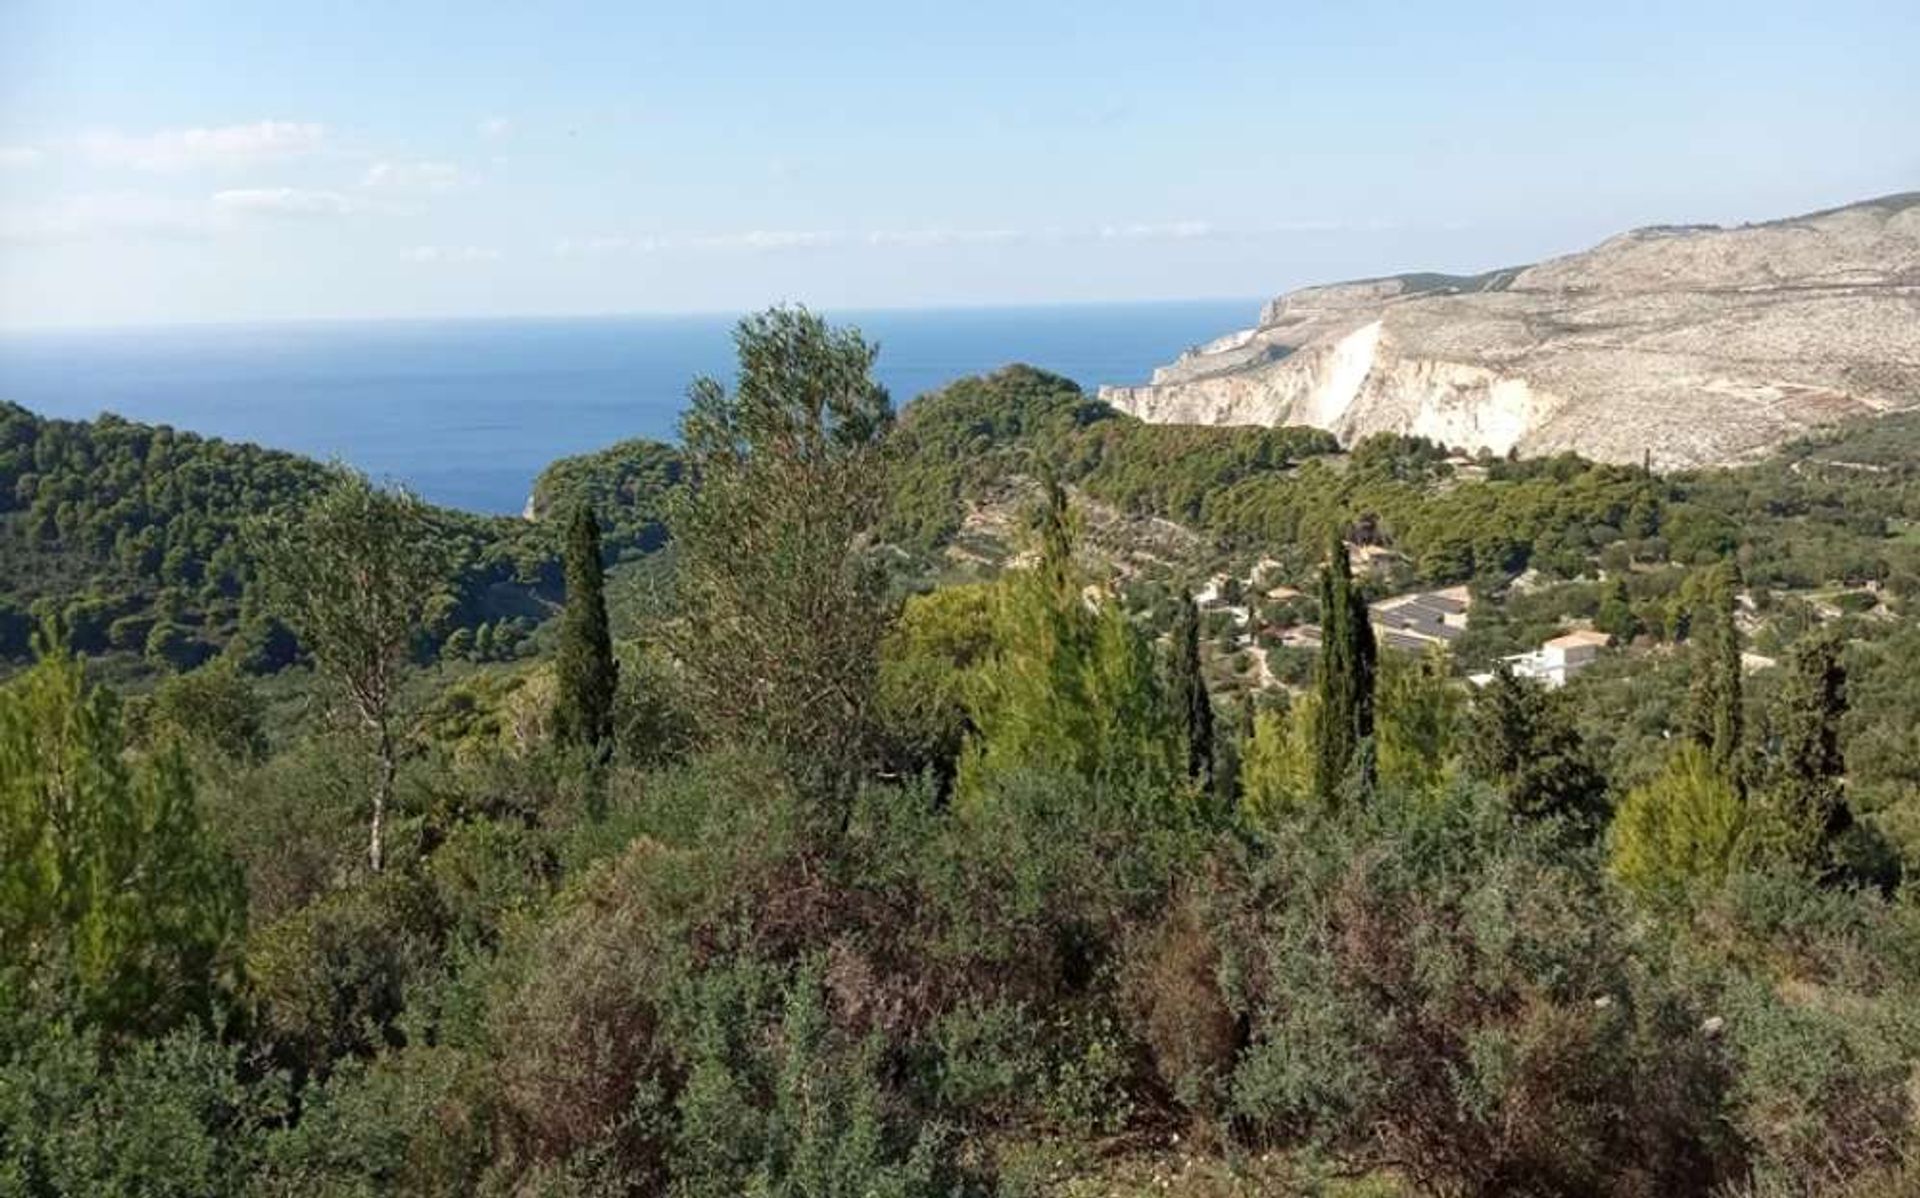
(353, 575)
(780, 596)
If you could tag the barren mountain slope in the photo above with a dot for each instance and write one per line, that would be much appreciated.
(1696, 344)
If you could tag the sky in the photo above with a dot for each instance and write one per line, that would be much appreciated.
(191, 162)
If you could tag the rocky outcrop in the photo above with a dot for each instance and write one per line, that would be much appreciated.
(1694, 344)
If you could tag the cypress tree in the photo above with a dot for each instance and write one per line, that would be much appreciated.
(1807, 724)
(1190, 691)
(1714, 718)
(1345, 680)
(1522, 738)
(588, 674)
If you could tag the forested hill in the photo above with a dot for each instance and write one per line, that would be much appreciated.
(629, 483)
(1833, 509)
(133, 535)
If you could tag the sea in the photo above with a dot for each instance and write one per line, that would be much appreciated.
(467, 412)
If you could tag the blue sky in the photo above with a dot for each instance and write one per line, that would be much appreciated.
(165, 162)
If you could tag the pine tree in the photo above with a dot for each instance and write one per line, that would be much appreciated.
(1615, 617)
(1344, 683)
(587, 672)
(1277, 767)
(1189, 696)
(1681, 830)
(112, 890)
(1714, 718)
(1070, 687)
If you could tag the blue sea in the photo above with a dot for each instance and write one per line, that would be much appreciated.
(467, 412)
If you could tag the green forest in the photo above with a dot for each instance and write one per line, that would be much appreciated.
(861, 801)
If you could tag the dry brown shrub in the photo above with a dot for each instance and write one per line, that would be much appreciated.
(576, 1039)
(1171, 981)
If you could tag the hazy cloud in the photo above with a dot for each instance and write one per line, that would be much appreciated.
(454, 254)
(937, 237)
(282, 201)
(494, 128)
(105, 216)
(1180, 230)
(19, 158)
(752, 240)
(413, 176)
(769, 239)
(226, 145)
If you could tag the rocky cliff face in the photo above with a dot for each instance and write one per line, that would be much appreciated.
(1697, 345)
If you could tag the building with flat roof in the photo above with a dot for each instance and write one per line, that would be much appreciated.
(1556, 660)
(1422, 619)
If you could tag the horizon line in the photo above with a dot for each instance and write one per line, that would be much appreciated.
(836, 311)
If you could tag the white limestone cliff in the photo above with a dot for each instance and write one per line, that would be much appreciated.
(1694, 345)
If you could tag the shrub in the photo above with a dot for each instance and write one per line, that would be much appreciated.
(332, 979)
(580, 1066)
(485, 871)
(290, 823)
(174, 1116)
(1432, 987)
(212, 708)
(411, 1121)
(1173, 989)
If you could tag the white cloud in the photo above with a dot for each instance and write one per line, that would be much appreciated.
(494, 127)
(19, 158)
(1182, 230)
(454, 254)
(413, 176)
(591, 247)
(943, 237)
(103, 217)
(752, 241)
(226, 145)
(771, 240)
(281, 201)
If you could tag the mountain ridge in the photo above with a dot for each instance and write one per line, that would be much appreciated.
(1691, 345)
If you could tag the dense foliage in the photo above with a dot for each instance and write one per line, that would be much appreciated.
(984, 889)
(630, 485)
(138, 538)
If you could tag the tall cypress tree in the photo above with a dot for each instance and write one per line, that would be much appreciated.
(1345, 680)
(588, 674)
(1714, 718)
(1809, 764)
(1190, 691)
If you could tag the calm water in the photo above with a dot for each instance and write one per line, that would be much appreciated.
(468, 412)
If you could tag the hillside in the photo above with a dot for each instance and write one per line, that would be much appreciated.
(136, 538)
(1696, 345)
(892, 871)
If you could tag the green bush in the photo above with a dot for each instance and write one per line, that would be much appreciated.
(182, 1115)
(413, 1121)
(1432, 987)
(333, 979)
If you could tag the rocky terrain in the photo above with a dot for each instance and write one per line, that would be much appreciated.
(1694, 344)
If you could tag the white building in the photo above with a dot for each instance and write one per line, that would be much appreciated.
(1557, 660)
